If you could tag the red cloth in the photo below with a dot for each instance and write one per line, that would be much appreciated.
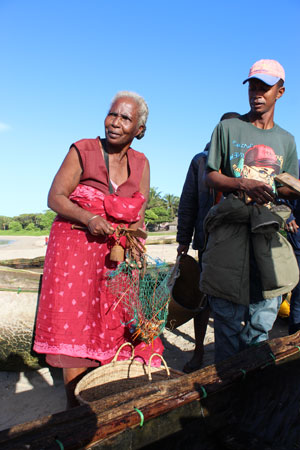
(76, 315)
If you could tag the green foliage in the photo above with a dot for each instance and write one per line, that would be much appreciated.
(27, 224)
(14, 225)
(150, 216)
(4, 222)
(155, 198)
(172, 203)
(45, 220)
(26, 219)
(162, 214)
(31, 227)
(160, 208)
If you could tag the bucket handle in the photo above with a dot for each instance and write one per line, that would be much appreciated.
(120, 348)
(164, 362)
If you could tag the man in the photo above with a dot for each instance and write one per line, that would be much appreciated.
(195, 201)
(256, 139)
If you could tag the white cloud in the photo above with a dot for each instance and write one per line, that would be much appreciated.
(4, 127)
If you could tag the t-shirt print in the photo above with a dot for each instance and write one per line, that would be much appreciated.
(259, 163)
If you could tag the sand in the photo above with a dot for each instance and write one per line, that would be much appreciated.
(32, 395)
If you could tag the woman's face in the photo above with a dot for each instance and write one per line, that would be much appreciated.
(121, 123)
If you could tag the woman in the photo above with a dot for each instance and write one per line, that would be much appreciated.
(100, 184)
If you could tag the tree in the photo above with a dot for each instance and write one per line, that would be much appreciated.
(150, 216)
(172, 203)
(4, 222)
(31, 227)
(161, 213)
(45, 220)
(26, 219)
(155, 198)
(15, 226)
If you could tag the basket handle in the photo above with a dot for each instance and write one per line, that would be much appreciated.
(120, 348)
(149, 365)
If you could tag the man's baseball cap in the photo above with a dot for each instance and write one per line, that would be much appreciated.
(267, 70)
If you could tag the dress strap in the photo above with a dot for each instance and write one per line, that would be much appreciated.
(103, 143)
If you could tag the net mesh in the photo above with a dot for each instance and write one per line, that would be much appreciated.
(144, 293)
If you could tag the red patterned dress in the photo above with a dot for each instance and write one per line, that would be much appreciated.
(77, 315)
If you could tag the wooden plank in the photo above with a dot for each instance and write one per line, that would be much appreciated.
(288, 180)
(93, 426)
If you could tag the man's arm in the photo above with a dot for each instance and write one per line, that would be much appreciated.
(287, 193)
(188, 207)
(258, 191)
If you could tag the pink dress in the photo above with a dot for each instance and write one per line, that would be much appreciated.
(77, 314)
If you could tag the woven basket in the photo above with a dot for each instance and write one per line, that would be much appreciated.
(120, 376)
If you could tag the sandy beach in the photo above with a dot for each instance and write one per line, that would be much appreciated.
(34, 394)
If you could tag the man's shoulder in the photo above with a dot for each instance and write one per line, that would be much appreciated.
(283, 132)
(234, 122)
(202, 156)
(197, 158)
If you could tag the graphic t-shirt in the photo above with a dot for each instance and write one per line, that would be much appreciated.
(240, 149)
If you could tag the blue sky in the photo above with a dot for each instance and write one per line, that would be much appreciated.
(63, 61)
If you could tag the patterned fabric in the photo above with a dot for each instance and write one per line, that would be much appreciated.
(77, 315)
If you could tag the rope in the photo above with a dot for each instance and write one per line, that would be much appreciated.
(60, 444)
(244, 373)
(141, 415)
(204, 392)
(18, 290)
(273, 356)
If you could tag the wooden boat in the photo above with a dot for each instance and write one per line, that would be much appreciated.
(250, 401)
(18, 302)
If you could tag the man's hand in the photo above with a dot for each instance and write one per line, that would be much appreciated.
(258, 191)
(292, 226)
(182, 249)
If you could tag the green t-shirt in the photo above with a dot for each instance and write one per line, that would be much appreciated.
(239, 149)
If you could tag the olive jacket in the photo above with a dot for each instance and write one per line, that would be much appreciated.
(228, 227)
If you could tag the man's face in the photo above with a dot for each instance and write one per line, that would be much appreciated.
(262, 97)
(264, 174)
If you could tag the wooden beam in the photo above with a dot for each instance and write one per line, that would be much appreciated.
(202, 394)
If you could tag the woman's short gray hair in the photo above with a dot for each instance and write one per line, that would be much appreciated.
(142, 106)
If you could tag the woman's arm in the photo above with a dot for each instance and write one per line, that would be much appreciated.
(64, 183)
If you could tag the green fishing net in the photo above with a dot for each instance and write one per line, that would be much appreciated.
(144, 293)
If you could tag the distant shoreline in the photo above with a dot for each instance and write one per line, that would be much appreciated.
(4, 242)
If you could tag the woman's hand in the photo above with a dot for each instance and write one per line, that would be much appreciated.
(99, 226)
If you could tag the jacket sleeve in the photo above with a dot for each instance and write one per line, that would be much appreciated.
(188, 205)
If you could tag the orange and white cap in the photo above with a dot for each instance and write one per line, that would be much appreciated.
(267, 70)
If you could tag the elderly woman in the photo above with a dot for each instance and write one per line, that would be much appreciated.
(101, 183)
